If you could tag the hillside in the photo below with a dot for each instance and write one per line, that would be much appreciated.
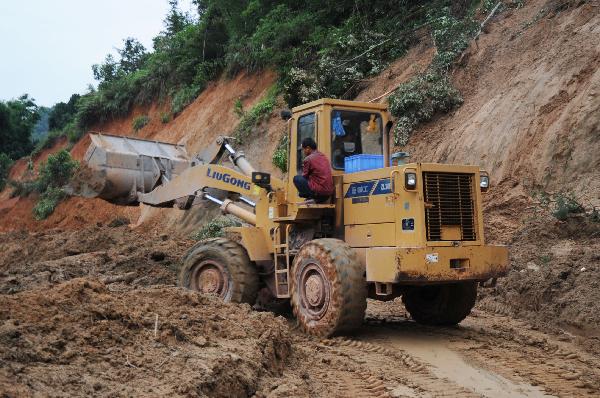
(91, 289)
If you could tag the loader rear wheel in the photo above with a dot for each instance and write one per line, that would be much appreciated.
(441, 304)
(328, 292)
(220, 267)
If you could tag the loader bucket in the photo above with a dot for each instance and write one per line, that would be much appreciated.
(117, 168)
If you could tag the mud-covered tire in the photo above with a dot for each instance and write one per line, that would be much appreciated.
(328, 289)
(221, 267)
(441, 304)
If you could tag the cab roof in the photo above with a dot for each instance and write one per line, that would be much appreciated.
(338, 102)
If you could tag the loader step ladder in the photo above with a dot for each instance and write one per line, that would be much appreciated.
(282, 262)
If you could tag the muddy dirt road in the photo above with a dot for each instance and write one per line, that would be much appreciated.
(95, 312)
(486, 356)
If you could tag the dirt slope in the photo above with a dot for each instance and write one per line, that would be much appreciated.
(531, 113)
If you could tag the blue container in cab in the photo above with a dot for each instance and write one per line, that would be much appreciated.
(355, 163)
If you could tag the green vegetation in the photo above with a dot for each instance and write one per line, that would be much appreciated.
(165, 118)
(47, 142)
(17, 119)
(418, 100)
(54, 174)
(215, 228)
(238, 108)
(47, 202)
(257, 114)
(56, 171)
(319, 49)
(5, 163)
(280, 156)
(184, 97)
(62, 113)
(430, 93)
(563, 204)
(139, 122)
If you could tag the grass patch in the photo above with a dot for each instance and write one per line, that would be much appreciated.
(140, 122)
(280, 156)
(184, 97)
(47, 142)
(47, 202)
(259, 113)
(165, 117)
(562, 205)
(54, 174)
(419, 99)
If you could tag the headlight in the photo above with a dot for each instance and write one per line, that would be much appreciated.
(484, 182)
(410, 180)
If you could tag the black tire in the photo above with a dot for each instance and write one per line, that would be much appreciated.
(441, 304)
(328, 289)
(221, 267)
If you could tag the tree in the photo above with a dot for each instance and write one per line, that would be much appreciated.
(133, 55)
(107, 71)
(62, 113)
(175, 20)
(17, 119)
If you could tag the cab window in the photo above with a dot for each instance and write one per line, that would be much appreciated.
(306, 129)
(354, 133)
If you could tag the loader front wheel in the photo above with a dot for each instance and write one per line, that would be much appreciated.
(441, 304)
(220, 267)
(328, 292)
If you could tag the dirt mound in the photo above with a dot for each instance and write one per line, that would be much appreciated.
(113, 254)
(79, 338)
(78, 314)
(555, 277)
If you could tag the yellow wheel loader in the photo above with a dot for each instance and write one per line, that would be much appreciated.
(391, 228)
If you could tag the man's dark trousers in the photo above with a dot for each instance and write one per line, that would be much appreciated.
(304, 190)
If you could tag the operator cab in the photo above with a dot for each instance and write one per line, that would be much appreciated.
(341, 129)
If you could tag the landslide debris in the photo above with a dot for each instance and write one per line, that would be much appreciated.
(79, 338)
(43, 259)
(554, 281)
(96, 312)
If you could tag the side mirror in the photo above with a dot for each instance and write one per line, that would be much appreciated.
(286, 114)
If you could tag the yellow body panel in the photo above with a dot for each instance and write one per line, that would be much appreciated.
(369, 235)
(254, 242)
(433, 264)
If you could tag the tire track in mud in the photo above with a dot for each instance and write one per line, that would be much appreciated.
(508, 348)
(559, 367)
(357, 368)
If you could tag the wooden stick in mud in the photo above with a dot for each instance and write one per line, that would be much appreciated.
(155, 326)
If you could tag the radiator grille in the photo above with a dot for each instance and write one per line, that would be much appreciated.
(449, 206)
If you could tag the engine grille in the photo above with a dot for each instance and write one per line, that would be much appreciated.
(449, 206)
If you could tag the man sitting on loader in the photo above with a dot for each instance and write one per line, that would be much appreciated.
(316, 182)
